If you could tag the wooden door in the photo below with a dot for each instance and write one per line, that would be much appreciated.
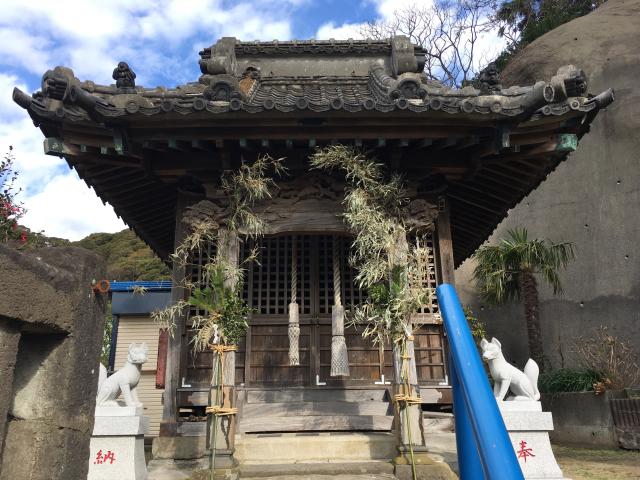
(262, 359)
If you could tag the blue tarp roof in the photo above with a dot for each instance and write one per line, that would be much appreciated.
(129, 286)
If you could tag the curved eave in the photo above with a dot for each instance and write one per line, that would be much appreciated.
(479, 199)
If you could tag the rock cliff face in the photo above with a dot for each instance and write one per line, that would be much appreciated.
(51, 326)
(592, 199)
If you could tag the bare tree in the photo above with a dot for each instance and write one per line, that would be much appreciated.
(448, 31)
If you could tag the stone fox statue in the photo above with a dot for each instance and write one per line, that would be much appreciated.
(124, 380)
(523, 384)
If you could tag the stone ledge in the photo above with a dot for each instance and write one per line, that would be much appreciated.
(118, 411)
(520, 406)
(179, 448)
(528, 421)
(117, 426)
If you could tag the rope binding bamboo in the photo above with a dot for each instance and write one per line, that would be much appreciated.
(219, 410)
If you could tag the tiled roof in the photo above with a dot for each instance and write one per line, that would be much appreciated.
(485, 145)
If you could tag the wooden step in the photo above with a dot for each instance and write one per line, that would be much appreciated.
(324, 395)
(311, 423)
(252, 410)
(286, 448)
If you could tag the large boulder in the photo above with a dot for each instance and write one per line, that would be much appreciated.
(591, 199)
(51, 328)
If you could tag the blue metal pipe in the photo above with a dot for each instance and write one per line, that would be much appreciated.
(469, 464)
(496, 453)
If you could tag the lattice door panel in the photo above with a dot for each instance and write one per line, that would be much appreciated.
(349, 291)
(268, 285)
(427, 240)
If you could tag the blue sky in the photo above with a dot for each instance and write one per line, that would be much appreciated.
(160, 39)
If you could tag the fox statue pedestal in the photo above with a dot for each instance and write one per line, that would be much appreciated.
(527, 424)
(117, 444)
(529, 428)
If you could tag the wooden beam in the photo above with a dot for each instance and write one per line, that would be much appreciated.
(445, 243)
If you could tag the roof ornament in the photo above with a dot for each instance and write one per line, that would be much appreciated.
(223, 88)
(489, 80)
(125, 77)
(56, 83)
(220, 58)
(569, 81)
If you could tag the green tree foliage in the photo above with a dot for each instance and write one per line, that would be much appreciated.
(127, 257)
(478, 328)
(507, 271)
(569, 380)
(522, 21)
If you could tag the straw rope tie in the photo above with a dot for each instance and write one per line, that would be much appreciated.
(221, 349)
(407, 399)
(217, 409)
(221, 411)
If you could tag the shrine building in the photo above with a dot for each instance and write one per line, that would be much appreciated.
(468, 155)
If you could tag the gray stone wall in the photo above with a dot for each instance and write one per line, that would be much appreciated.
(592, 199)
(51, 325)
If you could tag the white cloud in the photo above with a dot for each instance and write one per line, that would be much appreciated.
(341, 32)
(91, 37)
(56, 200)
(67, 208)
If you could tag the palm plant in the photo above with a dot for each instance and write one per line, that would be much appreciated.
(508, 271)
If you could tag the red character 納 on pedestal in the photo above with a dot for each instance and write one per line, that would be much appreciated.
(108, 457)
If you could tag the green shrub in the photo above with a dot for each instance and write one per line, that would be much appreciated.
(478, 328)
(568, 380)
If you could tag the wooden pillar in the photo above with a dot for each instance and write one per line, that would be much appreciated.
(447, 266)
(169, 425)
(445, 244)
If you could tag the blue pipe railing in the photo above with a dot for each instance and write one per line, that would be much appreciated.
(484, 448)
